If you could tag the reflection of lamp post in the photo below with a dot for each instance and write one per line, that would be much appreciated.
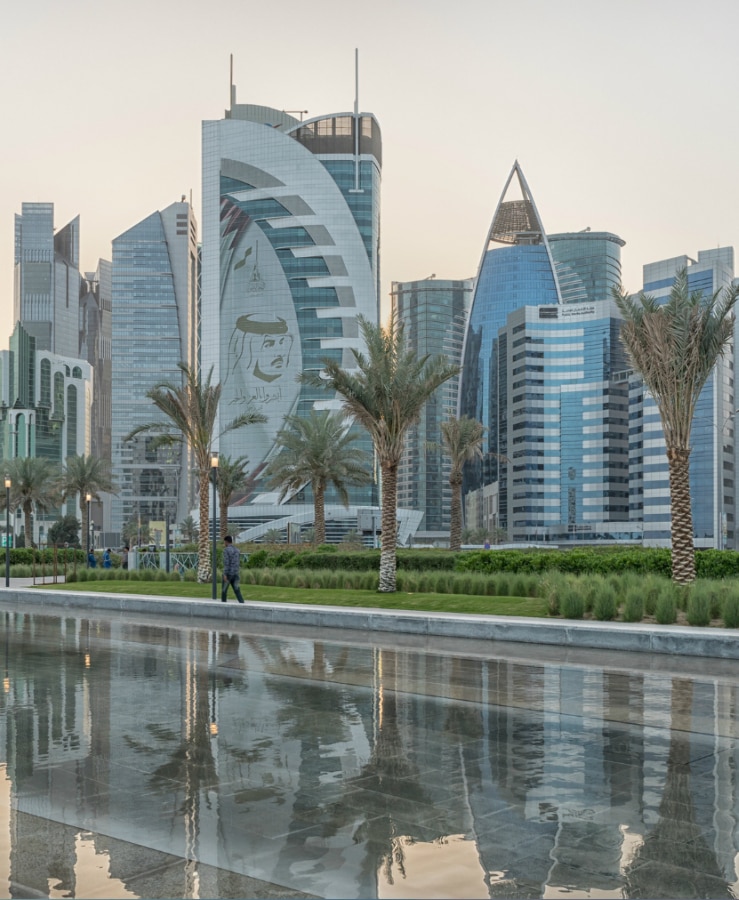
(214, 475)
(7, 530)
(87, 536)
(213, 727)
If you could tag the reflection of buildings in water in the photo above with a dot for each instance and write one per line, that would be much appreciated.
(332, 760)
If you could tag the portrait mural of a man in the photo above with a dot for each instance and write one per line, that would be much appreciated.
(259, 327)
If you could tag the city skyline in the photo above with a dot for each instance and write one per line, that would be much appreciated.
(612, 132)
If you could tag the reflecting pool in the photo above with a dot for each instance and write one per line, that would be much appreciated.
(146, 758)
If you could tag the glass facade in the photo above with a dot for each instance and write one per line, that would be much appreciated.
(153, 292)
(588, 264)
(712, 458)
(519, 273)
(47, 279)
(290, 259)
(567, 422)
(434, 314)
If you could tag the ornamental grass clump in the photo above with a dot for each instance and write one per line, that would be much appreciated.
(605, 606)
(730, 609)
(633, 610)
(699, 608)
(572, 602)
(666, 610)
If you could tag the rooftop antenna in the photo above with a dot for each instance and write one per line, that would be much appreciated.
(231, 88)
(356, 189)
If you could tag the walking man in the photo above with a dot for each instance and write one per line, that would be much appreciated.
(231, 557)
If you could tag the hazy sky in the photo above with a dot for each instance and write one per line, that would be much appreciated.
(623, 115)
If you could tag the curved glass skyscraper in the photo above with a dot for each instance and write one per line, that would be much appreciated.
(290, 260)
(516, 270)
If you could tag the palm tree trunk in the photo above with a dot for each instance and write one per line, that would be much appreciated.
(319, 513)
(224, 516)
(204, 571)
(388, 560)
(683, 550)
(85, 535)
(455, 513)
(27, 525)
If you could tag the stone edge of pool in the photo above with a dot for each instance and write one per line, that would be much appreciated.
(667, 639)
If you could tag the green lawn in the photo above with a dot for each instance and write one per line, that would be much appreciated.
(421, 602)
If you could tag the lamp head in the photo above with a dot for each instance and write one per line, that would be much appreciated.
(214, 459)
(8, 482)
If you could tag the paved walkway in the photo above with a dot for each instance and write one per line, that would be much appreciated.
(675, 640)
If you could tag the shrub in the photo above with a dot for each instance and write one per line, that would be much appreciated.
(604, 604)
(730, 610)
(633, 610)
(258, 559)
(666, 610)
(699, 608)
(572, 604)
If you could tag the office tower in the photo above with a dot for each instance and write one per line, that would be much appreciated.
(95, 347)
(588, 264)
(712, 463)
(290, 259)
(516, 270)
(154, 321)
(434, 316)
(47, 279)
(45, 405)
(566, 424)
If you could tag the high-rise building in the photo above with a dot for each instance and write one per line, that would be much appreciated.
(45, 405)
(434, 315)
(516, 270)
(290, 260)
(588, 264)
(567, 425)
(712, 462)
(543, 371)
(47, 279)
(153, 329)
(95, 347)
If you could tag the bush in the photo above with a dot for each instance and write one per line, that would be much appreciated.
(699, 608)
(633, 610)
(604, 604)
(572, 604)
(666, 610)
(730, 610)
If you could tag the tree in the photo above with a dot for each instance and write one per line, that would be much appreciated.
(385, 392)
(65, 531)
(34, 482)
(317, 450)
(232, 478)
(674, 346)
(190, 411)
(189, 530)
(85, 475)
(462, 440)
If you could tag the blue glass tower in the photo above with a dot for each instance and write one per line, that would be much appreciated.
(154, 323)
(516, 270)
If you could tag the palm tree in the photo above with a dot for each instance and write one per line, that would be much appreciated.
(190, 411)
(85, 475)
(675, 346)
(317, 450)
(385, 392)
(189, 529)
(232, 477)
(34, 482)
(462, 440)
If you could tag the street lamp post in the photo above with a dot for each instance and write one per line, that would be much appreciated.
(8, 485)
(214, 477)
(87, 536)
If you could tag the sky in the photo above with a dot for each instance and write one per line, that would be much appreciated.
(622, 115)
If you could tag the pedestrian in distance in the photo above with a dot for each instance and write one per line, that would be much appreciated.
(124, 557)
(107, 560)
(91, 561)
(231, 560)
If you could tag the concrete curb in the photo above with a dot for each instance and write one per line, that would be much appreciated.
(663, 639)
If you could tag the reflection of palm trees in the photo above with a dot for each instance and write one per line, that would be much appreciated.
(675, 859)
